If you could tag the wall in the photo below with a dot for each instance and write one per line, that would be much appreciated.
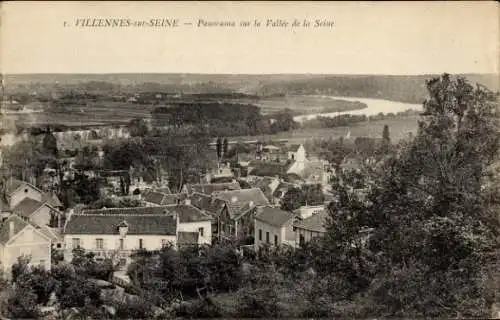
(42, 216)
(265, 227)
(287, 234)
(111, 242)
(20, 194)
(28, 242)
(194, 227)
(308, 235)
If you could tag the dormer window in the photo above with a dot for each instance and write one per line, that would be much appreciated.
(123, 229)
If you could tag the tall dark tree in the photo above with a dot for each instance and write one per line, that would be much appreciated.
(386, 135)
(219, 148)
(49, 144)
(138, 127)
(225, 147)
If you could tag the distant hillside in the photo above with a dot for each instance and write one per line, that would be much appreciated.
(399, 88)
(409, 89)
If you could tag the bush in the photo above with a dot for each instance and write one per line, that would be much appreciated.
(198, 309)
(134, 309)
(22, 304)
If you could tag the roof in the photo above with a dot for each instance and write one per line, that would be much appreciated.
(27, 207)
(270, 147)
(274, 216)
(294, 147)
(283, 188)
(187, 238)
(161, 210)
(316, 222)
(163, 190)
(154, 197)
(208, 203)
(52, 233)
(19, 224)
(189, 213)
(12, 185)
(270, 169)
(240, 201)
(170, 199)
(52, 200)
(210, 188)
(108, 224)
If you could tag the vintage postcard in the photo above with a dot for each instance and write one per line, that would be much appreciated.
(263, 159)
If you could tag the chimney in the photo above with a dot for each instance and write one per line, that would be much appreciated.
(187, 201)
(11, 229)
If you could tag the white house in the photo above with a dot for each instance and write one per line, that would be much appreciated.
(20, 238)
(117, 236)
(297, 152)
(274, 226)
(305, 212)
(193, 220)
(17, 190)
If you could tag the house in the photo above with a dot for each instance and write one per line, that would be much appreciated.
(237, 216)
(29, 202)
(268, 169)
(118, 235)
(192, 221)
(297, 152)
(223, 171)
(209, 205)
(309, 228)
(20, 238)
(210, 188)
(17, 190)
(37, 212)
(305, 212)
(274, 226)
(190, 218)
(155, 198)
(267, 184)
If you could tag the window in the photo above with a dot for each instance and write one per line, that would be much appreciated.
(59, 246)
(25, 190)
(75, 243)
(275, 240)
(200, 231)
(42, 263)
(140, 244)
(267, 237)
(260, 234)
(99, 244)
(121, 244)
(302, 241)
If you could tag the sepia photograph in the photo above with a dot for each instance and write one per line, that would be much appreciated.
(231, 159)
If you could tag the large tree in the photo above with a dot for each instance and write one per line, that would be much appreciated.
(435, 227)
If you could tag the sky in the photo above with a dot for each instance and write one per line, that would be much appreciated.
(366, 38)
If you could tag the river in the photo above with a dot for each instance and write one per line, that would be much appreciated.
(374, 107)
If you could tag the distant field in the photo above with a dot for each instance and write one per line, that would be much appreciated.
(100, 113)
(399, 128)
(306, 104)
